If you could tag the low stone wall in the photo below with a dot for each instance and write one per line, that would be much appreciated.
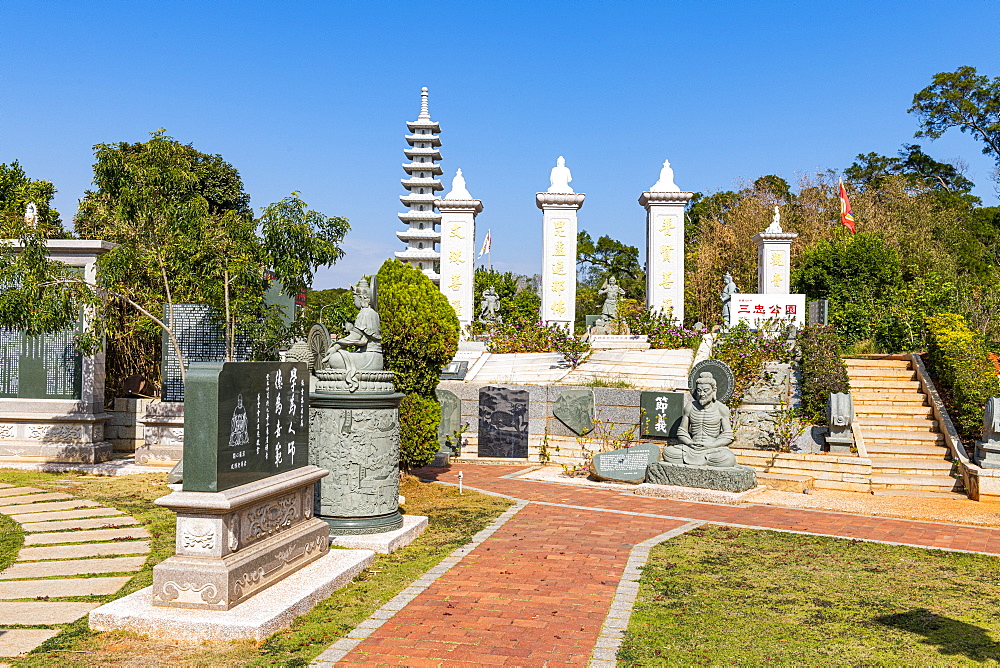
(123, 430)
(839, 472)
(617, 412)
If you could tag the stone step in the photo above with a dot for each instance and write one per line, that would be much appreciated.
(47, 612)
(46, 569)
(909, 412)
(869, 384)
(899, 424)
(883, 374)
(14, 642)
(58, 588)
(901, 437)
(907, 466)
(919, 493)
(85, 536)
(785, 482)
(857, 363)
(14, 491)
(82, 550)
(935, 452)
(884, 399)
(924, 483)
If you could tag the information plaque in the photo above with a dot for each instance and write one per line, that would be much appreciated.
(244, 421)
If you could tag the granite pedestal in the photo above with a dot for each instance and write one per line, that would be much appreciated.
(737, 478)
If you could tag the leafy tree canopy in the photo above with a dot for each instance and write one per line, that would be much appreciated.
(961, 99)
(607, 257)
(870, 170)
(16, 192)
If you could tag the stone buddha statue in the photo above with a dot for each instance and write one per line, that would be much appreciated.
(560, 177)
(705, 431)
(365, 334)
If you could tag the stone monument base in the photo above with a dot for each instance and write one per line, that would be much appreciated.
(737, 478)
(256, 618)
(162, 433)
(987, 455)
(696, 494)
(386, 542)
(235, 543)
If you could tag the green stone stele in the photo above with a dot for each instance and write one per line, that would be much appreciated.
(354, 427)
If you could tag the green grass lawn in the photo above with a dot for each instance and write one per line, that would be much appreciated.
(724, 596)
(454, 519)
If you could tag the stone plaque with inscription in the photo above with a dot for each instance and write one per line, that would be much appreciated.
(503, 422)
(245, 421)
(451, 416)
(661, 413)
(625, 465)
(199, 332)
(47, 366)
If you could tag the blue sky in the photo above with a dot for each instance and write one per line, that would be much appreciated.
(313, 96)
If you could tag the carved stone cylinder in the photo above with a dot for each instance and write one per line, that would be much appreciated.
(356, 438)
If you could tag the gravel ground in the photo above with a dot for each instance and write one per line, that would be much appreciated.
(959, 510)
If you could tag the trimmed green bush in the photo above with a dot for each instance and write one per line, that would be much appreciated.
(823, 370)
(959, 361)
(419, 337)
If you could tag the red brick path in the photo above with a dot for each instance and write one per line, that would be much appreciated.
(537, 591)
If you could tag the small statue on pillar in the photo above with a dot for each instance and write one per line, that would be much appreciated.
(728, 290)
(560, 177)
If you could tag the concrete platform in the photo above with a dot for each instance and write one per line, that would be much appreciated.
(384, 543)
(696, 494)
(256, 618)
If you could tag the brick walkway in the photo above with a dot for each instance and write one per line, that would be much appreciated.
(538, 590)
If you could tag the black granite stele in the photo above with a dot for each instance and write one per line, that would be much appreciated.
(737, 478)
(503, 422)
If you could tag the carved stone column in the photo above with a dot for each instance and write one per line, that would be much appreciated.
(559, 256)
(665, 250)
(458, 254)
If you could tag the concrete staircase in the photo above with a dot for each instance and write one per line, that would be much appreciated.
(906, 447)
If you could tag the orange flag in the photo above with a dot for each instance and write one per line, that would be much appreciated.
(846, 217)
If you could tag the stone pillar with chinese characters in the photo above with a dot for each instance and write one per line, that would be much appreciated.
(664, 204)
(559, 206)
(458, 247)
(774, 258)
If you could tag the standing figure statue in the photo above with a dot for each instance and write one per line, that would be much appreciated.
(31, 215)
(490, 308)
(775, 226)
(560, 177)
(365, 333)
(614, 292)
(728, 290)
(705, 431)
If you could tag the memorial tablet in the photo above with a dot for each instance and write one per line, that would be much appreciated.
(661, 413)
(47, 366)
(625, 465)
(503, 422)
(201, 338)
(244, 421)
(575, 409)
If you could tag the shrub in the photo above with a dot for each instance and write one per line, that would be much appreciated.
(823, 370)
(661, 328)
(746, 351)
(419, 337)
(529, 335)
(959, 361)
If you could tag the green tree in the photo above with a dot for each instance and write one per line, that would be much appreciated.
(871, 170)
(961, 99)
(16, 192)
(185, 233)
(419, 337)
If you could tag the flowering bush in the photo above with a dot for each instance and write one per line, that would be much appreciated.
(528, 335)
(746, 351)
(661, 328)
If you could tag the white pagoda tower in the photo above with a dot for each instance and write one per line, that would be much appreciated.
(422, 236)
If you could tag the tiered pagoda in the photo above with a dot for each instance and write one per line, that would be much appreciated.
(422, 236)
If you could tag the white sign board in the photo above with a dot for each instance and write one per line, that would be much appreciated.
(757, 310)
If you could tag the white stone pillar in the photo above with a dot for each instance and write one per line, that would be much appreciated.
(458, 248)
(559, 255)
(774, 258)
(665, 250)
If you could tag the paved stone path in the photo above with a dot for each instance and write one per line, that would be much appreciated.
(65, 537)
(554, 583)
